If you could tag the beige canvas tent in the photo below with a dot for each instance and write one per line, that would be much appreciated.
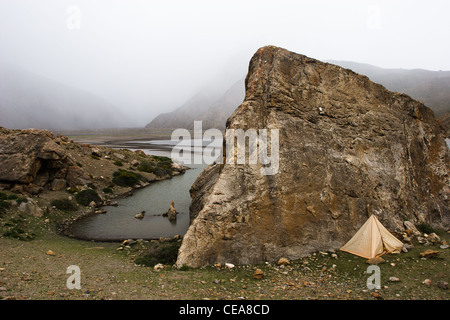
(372, 240)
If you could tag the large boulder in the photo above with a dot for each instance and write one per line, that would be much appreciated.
(34, 158)
(348, 148)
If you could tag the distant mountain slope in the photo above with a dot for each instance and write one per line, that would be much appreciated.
(28, 100)
(212, 110)
(430, 87)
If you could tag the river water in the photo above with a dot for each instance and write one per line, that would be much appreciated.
(119, 222)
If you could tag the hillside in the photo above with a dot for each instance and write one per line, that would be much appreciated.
(212, 110)
(28, 100)
(430, 87)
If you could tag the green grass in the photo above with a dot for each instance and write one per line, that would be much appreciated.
(146, 166)
(118, 163)
(108, 190)
(159, 252)
(126, 178)
(64, 204)
(85, 197)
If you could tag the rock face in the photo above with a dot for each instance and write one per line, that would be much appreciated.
(33, 158)
(349, 148)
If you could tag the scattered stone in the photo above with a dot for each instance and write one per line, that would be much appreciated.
(58, 184)
(434, 238)
(283, 262)
(158, 267)
(410, 226)
(32, 189)
(376, 295)
(394, 279)
(50, 253)
(427, 282)
(375, 260)
(429, 253)
(258, 274)
(334, 255)
(31, 208)
(77, 177)
(408, 246)
(229, 265)
(443, 285)
(2, 289)
(443, 246)
(128, 242)
(134, 163)
(423, 240)
(119, 156)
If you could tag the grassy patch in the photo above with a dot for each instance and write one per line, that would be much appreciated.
(146, 166)
(64, 204)
(159, 252)
(118, 163)
(107, 190)
(16, 228)
(162, 159)
(425, 228)
(86, 196)
(126, 178)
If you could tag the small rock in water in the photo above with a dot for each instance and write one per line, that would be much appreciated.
(140, 215)
(171, 213)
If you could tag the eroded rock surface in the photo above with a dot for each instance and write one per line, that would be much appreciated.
(349, 148)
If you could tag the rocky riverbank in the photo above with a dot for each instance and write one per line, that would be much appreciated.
(43, 173)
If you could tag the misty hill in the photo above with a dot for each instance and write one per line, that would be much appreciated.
(430, 87)
(213, 110)
(28, 100)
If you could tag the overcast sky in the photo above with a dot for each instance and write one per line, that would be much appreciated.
(148, 56)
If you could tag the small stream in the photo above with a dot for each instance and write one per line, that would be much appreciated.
(119, 222)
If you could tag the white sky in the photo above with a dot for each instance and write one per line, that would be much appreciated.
(148, 56)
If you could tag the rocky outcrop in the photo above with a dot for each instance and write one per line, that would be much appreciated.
(33, 161)
(31, 156)
(349, 148)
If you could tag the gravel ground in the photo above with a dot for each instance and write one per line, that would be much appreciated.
(28, 270)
